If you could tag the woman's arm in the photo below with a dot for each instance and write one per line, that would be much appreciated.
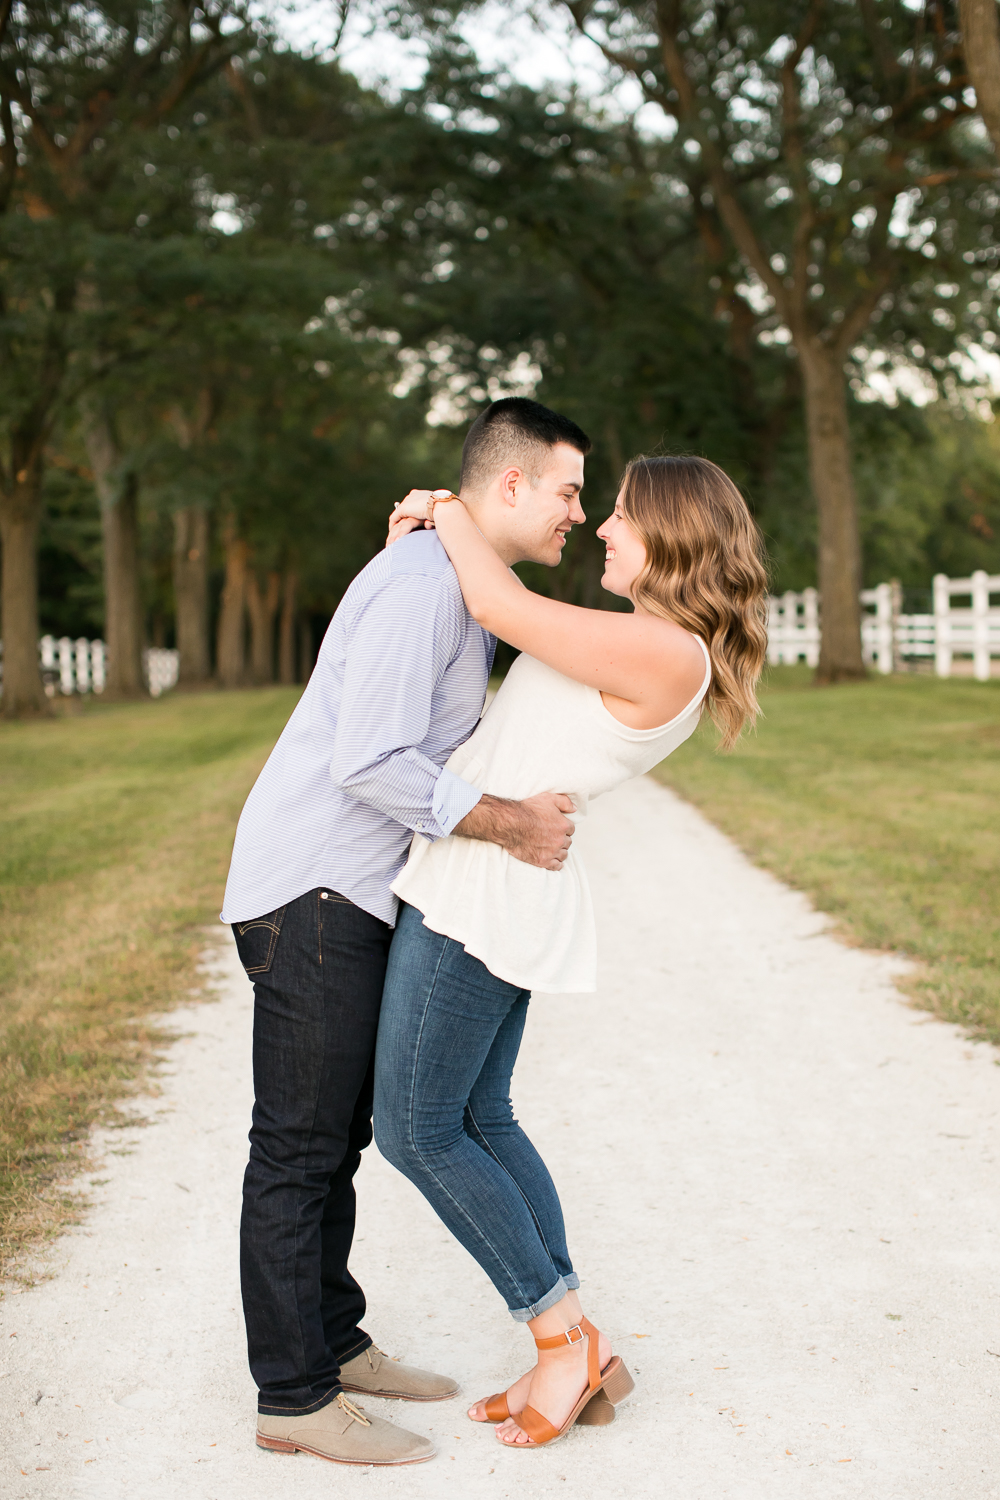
(647, 668)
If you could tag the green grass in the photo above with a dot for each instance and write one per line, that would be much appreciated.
(882, 801)
(115, 831)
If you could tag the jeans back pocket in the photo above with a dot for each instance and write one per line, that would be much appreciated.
(257, 940)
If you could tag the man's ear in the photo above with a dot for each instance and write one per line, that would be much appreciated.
(509, 481)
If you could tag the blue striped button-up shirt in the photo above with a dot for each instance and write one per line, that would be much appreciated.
(399, 683)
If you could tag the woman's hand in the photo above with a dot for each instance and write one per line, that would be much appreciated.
(414, 507)
(409, 515)
(416, 510)
(401, 526)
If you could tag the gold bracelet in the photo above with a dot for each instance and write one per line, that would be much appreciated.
(439, 497)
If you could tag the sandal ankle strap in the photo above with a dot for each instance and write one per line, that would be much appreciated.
(576, 1335)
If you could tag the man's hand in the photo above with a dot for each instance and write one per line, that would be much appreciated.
(547, 832)
(536, 831)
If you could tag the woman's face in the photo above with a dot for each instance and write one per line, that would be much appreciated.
(626, 555)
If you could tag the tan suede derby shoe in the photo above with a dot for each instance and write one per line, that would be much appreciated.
(373, 1373)
(342, 1433)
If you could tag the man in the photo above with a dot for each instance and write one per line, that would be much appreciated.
(399, 683)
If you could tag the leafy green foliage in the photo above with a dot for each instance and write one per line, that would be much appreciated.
(248, 254)
(860, 176)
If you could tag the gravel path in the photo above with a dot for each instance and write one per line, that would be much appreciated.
(781, 1191)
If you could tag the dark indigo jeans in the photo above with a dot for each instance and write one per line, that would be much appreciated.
(447, 1043)
(318, 966)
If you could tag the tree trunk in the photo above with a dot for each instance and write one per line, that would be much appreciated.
(981, 44)
(191, 594)
(118, 494)
(262, 608)
(230, 654)
(825, 386)
(20, 511)
(122, 605)
(286, 628)
(305, 649)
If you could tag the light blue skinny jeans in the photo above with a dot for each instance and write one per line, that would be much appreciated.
(448, 1039)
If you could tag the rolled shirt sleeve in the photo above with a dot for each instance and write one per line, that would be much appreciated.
(401, 643)
(453, 798)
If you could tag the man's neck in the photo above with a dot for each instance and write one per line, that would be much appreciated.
(491, 524)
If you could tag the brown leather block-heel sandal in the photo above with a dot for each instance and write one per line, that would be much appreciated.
(497, 1409)
(595, 1408)
(598, 1412)
(600, 1409)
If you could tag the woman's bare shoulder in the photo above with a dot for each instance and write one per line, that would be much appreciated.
(666, 636)
(669, 673)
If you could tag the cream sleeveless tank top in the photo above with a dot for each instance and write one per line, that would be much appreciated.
(543, 732)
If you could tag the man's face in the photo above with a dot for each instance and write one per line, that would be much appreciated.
(543, 514)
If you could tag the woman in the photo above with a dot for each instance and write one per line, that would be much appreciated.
(596, 697)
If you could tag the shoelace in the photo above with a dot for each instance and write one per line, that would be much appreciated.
(352, 1410)
(371, 1362)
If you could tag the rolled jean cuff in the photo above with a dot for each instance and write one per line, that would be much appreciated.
(558, 1292)
(572, 1282)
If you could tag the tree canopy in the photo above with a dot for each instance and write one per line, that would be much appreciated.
(245, 302)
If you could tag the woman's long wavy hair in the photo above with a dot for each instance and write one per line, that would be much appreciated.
(705, 571)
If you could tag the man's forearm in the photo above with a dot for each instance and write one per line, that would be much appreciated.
(536, 831)
(495, 820)
(410, 789)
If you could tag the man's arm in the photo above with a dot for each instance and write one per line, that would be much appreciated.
(536, 830)
(400, 646)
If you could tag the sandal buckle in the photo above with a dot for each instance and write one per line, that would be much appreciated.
(580, 1335)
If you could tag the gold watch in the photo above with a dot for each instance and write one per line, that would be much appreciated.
(439, 497)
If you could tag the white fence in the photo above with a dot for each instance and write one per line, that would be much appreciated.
(160, 667)
(81, 666)
(890, 639)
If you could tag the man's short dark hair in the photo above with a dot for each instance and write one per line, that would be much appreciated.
(515, 433)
